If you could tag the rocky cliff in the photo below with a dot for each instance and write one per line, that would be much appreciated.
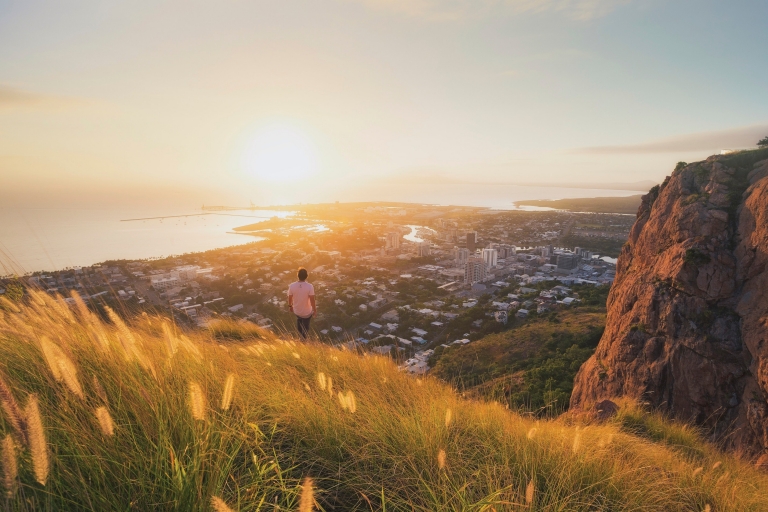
(688, 313)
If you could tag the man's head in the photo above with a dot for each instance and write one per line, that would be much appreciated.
(302, 274)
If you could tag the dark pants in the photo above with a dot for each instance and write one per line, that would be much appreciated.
(303, 325)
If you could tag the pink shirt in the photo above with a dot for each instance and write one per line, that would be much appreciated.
(301, 291)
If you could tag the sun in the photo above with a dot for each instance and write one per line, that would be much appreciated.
(279, 154)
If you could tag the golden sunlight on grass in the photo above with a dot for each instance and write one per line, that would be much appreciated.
(141, 415)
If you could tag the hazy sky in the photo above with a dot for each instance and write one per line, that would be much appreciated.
(317, 100)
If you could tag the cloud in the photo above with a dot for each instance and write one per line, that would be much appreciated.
(735, 138)
(448, 10)
(12, 98)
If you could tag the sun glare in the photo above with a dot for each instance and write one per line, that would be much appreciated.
(280, 154)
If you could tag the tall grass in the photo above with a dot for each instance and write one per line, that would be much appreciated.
(238, 419)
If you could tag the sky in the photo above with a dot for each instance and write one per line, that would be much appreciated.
(192, 102)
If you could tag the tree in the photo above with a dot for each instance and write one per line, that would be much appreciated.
(763, 143)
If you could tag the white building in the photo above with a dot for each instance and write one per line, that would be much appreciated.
(475, 270)
(490, 257)
(185, 273)
(164, 283)
(393, 240)
(422, 249)
(460, 255)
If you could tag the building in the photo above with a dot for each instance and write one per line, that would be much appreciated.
(475, 270)
(460, 255)
(164, 283)
(567, 261)
(490, 257)
(471, 241)
(185, 273)
(422, 249)
(392, 316)
(393, 240)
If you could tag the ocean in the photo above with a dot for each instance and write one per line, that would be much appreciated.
(33, 239)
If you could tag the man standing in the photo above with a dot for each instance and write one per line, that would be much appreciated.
(301, 302)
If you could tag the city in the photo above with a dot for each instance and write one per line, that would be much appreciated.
(408, 281)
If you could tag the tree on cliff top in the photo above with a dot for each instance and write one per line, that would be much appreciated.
(763, 143)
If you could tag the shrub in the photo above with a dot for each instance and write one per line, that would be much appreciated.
(696, 257)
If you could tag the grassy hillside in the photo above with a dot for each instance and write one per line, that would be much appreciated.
(99, 415)
(530, 367)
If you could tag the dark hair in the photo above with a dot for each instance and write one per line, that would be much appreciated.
(302, 274)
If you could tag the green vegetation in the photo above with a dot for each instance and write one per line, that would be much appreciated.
(680, 165)
(701, 173)
(108, 416)
(14, 291)
(694, 256)
(628, 204)
(602, 246)
(529, 367)
(763, 143)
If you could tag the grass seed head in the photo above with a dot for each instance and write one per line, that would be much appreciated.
(51, 353)
(37, 442)
(218, 505)
(529, 492)
(196, 401)
(351, 402)
(10, 467)
(698, 470)
(441, 459)
(105, 421)
(69, 375)
(82, 309)
(448, 417)
(12, 410)
(321, 381)
(99, 389)
(171, 344)
(229, 388)
(307, 501)
(531, 433)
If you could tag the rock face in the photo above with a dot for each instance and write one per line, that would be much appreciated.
(688, 313)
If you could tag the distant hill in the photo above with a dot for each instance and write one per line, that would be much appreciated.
(628, 205)
(640, 186)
